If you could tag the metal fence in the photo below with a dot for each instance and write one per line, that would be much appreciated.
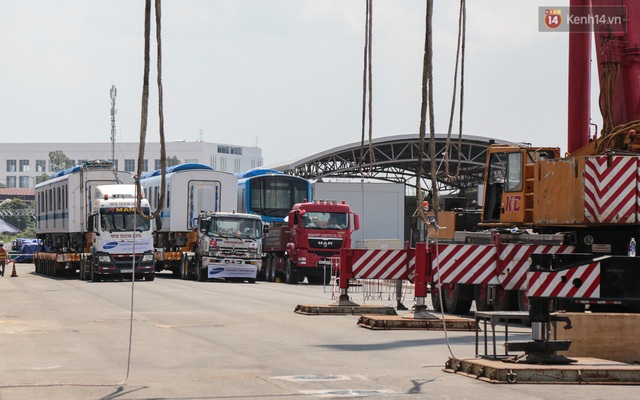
(371, 289)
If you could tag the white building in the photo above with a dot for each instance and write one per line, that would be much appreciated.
(21, 163)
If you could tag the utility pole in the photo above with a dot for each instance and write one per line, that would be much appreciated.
(113, 93)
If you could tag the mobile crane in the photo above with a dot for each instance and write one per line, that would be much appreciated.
(585, 203)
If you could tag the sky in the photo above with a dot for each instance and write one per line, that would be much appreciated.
(283, 75)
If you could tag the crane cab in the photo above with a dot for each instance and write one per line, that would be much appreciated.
(509, 184)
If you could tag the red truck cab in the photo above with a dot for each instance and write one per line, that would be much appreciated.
(314, 232)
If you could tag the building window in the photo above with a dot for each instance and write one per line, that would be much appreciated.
(236, 165)
(23, 181)
(145, 165)
(223, 149)
(236, 150)
(213, 162)
(157, 164)
(115, 164)
(24, 165)
(41, 165)
(223, 164)
(130, 165)
(11, 181)
(11, 165)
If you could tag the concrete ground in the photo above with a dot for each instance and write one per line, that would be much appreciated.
(62, 338)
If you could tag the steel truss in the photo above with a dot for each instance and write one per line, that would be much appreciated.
(395, 159)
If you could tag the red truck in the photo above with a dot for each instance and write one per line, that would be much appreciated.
(302, 245)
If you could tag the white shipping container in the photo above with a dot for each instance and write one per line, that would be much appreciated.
(380, 206)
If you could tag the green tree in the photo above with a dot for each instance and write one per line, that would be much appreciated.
(42, 178)
(173, 160)
(30, 230)
(59, 161)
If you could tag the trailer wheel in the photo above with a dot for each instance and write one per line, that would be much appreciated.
(81, 270)
(52, 267)
(457, 297)
(291, 275)
(481, 297)
(94, 276)
(159, 266)
(201, 273)
(184, 267)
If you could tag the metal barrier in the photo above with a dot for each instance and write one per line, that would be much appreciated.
(384, 277)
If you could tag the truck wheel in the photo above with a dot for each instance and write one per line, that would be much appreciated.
(269, 273)
(150, 277)
(435, 300)
(505, 300)
(291, 275)
(457, 298)
(523, 305)
(481, 297)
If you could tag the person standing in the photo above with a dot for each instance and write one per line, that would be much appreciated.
(3, 258)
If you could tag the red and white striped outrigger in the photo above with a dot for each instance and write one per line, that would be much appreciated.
(497, 263)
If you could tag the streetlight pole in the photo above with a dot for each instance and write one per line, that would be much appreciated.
(113, 93)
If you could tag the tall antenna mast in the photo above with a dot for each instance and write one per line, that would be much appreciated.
(113, 93)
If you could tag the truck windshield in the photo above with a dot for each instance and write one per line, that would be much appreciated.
(123, 219)
(324, 220)
(248, 228)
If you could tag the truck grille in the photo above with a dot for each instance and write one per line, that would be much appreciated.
(325, 243)
(125, 260)
(231, 251)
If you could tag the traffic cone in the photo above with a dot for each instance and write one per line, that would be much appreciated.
(13, 271)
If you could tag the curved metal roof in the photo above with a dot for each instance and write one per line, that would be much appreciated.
(396, 160)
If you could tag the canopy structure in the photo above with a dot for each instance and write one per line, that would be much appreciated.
(396, 160)
(6, 227)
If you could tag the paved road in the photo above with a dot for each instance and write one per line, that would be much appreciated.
(69, 339)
